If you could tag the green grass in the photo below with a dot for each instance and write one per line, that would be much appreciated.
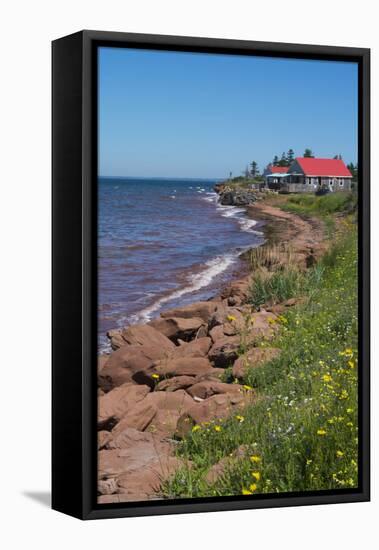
(324, 205)
(302, 434)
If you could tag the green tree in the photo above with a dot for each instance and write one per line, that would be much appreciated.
(254, 169)
(353, 169)
(290, 156)
(275, 162)
(283, 160)
(308, 153)
(338, 157)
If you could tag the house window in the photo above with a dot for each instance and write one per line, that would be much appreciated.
(341, 182)
(309, 181)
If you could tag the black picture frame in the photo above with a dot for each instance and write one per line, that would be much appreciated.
(74, 315)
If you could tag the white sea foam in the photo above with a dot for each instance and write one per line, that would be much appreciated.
(196, 281)
(246, 224)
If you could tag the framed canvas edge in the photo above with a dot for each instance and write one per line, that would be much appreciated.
(87, 461)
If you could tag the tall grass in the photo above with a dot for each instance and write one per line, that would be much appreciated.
(270, 256)
(323, 205)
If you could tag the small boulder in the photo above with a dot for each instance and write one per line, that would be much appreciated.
(135, 465)
(113, 405)
(179, 328)
(216, 333)
(237, 292)
(196, 348)
(255, 357)
(130, 363)
(143, 416)
(175, 383)
(185, 366)
(217, 406)
(224, 351)
(207, 388)
(146, 335)
(116, 339)
(203, 310)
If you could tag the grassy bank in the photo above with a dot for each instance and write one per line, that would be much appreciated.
(302, 433)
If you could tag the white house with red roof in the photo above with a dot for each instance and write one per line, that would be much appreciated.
(307, 175)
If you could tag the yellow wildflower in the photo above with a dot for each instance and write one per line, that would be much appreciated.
(351, 364)
(349, 411)
(217, 428)
(231, 318)
(257, 475)
(196, 428)
(339, 454)
(246, 492)
(309, 461)
(321, 432)
(155, 376)
(240, 418)
(255, 458)
(327, 378)
(247, 388)
(253, 487)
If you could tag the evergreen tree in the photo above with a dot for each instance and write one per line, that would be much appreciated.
(254, 169)
(308, 153)
(283, 160)
(353, 169)
(290, 156)
(275, 162)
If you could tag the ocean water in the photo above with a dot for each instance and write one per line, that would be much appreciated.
(161, 243)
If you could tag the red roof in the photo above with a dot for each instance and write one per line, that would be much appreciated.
(279, 169)
(323, 167)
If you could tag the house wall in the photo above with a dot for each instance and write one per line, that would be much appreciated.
(312, 184)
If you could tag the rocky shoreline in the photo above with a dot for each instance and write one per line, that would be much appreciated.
(167, 376)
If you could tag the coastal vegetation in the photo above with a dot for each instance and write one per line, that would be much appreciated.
(300, 434)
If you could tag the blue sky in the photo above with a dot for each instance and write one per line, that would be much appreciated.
(202, 115)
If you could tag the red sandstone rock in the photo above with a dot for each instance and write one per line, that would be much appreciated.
(175, 383)
(186, 366)
(137, 470)
(146, 335)
(207, 388)
(255, 357)
(224, 351)
(144, 416)
(130, 363)
(217, 406)
(198, 309)
(196, 348)
(113, 405)
(178, 328)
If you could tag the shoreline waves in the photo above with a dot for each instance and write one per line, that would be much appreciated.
(206, 269)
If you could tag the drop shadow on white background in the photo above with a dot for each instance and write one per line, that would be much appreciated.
(41, 497)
